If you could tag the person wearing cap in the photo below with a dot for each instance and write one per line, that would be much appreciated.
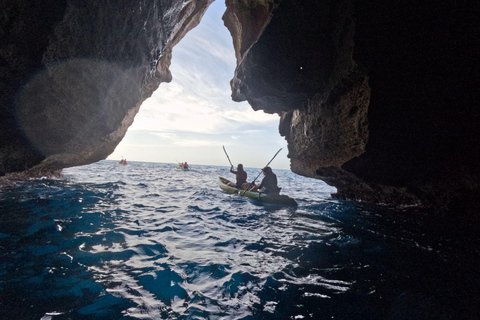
(240, 175)
(269, 182)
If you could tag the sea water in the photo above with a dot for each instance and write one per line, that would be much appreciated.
(146, 241)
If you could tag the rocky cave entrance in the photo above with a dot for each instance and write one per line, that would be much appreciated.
(191, 117)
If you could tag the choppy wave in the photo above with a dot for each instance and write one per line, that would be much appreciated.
(145, 241)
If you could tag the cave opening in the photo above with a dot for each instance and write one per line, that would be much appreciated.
(190, 118)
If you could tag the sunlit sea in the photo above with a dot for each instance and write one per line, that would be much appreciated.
(146, 241)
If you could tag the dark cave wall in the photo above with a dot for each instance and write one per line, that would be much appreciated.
(423, 62)
(423, 65)
(74, 74)
(378, 99)
(24, 28)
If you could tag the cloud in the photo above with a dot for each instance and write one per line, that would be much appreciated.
(196, 143)
(170, 110)
(167, 136)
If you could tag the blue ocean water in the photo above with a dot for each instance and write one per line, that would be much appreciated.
(145, 241)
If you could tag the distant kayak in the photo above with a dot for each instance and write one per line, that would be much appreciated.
(184, 169)
(261, 197)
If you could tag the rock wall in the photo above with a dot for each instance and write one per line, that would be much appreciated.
(74, 74)
(378, 98)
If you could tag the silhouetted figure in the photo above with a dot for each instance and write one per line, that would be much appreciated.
(269, 182)
(240, 175)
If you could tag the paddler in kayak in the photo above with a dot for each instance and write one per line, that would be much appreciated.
(269, 182)
(240, 175)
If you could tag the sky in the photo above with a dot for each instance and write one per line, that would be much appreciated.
(193, 116)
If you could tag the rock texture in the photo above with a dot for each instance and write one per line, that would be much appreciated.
(377, 98)
(74, 74)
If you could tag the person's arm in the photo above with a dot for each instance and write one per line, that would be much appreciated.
(261, 184)
(233, 171)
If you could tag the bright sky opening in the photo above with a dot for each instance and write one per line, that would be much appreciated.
(191, 118)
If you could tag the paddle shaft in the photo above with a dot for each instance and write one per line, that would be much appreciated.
(260, 173)
(227, 156)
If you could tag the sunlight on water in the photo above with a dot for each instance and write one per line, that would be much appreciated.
(145, 241)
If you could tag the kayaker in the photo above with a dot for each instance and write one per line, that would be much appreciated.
(240, 175)
(269, 182)
(185, 165)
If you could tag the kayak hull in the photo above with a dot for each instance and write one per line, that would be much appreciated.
(261, 197)
(182, 169)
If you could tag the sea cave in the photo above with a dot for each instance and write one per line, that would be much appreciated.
(378, 99)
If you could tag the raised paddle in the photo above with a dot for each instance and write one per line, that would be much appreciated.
(260, 173)
(227, 156)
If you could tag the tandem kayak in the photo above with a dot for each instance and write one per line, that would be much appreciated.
(183, 169)
(262, 197)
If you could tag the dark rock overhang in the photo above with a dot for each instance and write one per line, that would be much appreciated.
(378, 98)
(74, 74)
